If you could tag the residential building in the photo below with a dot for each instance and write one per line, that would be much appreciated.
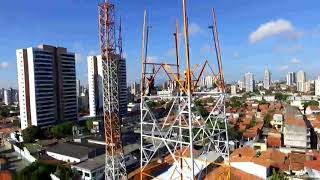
(233, 90)
(267, 79)
(301, 81)
(249, 82)
(317, 86)
(296, 131)
(291, 78)
(7, 94)
(241, 85)
(208, 82)
(95, 81)
(47, 86)
(135, 88)
(78, 88)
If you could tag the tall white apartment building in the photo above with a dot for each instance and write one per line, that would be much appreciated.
(291, 78)
(233, 89)
(7, 96)
(301, 81)
(209, 81)
(267, 79)
(95, 81)
(317, 86)
(249, 82)
(241, 85)
(47, 86)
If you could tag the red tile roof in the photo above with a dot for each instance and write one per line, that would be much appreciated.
(295, 122)
(313, 164)
(221, 173)
(274, 141)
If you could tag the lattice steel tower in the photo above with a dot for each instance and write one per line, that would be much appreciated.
(115, 167)
(181, 130)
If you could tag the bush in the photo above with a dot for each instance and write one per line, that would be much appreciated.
(30, 134)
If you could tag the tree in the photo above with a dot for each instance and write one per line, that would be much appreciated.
(30, 134)
(277, 176)
(62, 130)
(89, 124)
(267, 119)
(310, 103)
(4, 112)
(281, 97)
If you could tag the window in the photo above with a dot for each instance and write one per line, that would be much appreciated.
(93, 174)
(86, 174)
(80, 172)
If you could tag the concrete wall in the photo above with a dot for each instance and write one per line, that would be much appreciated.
(66, 158)
(312, 172)
(24, 153)
(295, 136)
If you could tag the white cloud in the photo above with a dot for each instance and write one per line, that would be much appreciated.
(273, 28)
(295, 61)
(4, 65)
(284, 67)
(236, 55)
(194, 28)
(125, 55)
(78, 57)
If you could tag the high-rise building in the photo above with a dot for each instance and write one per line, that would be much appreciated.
(233, 89)
(47, 86)
(291, 78)
(301, 81)
(135, 88)
(267, 79)
(78, 88)
(208, 81)
(95, 81)
(249, 82)
(241, 85)
(317, 86)
(7, 96)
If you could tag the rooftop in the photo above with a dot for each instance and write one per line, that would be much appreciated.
(92, 164)
(68, 149)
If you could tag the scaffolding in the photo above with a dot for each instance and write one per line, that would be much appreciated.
(179, 134)
(115, 167)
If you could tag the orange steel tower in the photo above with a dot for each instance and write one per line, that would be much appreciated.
(115, 167)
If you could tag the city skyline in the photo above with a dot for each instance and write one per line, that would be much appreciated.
(279, 42)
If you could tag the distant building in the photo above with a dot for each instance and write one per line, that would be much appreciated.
(135, 88)
(317, 86)
(301, 81)
(47, 86)
(233, 89)
(291, 78)
(7, 97)
(78, 88)
(267, 79)
(241, 85)
(249, 82)
(95, 81)
(208, 81)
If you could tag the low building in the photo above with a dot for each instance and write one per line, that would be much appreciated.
(277, 121)
(91, 168)
(269, 98)
(74, 152)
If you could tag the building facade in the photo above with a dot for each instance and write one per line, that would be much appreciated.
(291, 78)
(301, 81)
(317, 86)
(249, 82)
(95, 81)
(267, 79)
(47, 86)
(233, 90)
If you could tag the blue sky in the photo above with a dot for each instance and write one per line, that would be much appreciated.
(279, 35)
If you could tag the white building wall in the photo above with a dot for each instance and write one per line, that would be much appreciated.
(33, 106)
(317, 86)
(91, 81)
(251, 168)
(22, 88)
